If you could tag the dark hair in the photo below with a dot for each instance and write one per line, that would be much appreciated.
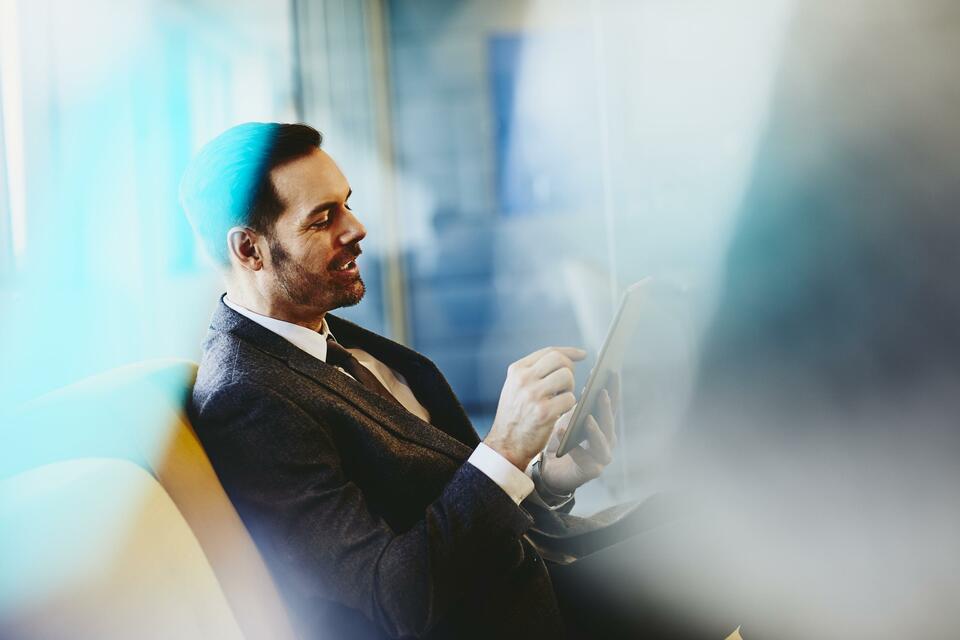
(228, 182)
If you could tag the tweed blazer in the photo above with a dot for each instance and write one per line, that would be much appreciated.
(371, 520)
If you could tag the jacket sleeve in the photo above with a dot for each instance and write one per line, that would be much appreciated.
(282, 468)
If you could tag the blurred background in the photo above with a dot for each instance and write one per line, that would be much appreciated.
(788, 171)
(517, 164)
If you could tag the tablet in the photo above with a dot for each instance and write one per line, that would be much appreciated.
(606, 372)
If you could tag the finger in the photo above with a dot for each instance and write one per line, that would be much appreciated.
(559, 381)
(559, 430)
(585, 463)
(599, 447)
(613, 386)
(571, 352)
(553, 443)
(549, 362)
(560, 404)
(606, 420)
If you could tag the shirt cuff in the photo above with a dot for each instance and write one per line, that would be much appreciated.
(514, 482)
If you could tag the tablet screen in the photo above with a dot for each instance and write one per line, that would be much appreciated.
(606, 372)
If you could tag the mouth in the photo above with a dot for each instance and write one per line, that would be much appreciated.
(347, 267)
(346, 263)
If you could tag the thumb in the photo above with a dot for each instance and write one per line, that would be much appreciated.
(556, 437)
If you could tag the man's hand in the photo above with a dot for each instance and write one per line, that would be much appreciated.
(538, 389)
(563, 475)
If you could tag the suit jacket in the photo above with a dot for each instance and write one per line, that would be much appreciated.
(370, 518)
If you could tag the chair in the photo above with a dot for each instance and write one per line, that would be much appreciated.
(114, 523)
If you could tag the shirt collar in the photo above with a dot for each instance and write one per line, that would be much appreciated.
(313, 342)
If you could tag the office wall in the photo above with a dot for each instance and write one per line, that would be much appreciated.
(551, 153)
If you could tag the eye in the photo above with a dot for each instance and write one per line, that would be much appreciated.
(321, 224)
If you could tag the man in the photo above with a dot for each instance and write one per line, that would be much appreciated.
(347, 455)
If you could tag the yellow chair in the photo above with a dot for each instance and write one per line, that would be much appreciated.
(113, 523)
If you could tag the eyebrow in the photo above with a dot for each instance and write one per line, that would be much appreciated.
(326, 206)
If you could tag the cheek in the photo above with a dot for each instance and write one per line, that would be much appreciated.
(317, 254)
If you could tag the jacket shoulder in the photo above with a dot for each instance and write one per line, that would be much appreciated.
(229, 361)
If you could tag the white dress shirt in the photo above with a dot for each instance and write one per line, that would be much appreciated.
(514, 482)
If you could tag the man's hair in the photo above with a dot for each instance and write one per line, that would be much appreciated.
(228, 183)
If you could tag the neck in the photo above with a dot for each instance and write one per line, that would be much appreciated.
(247, 295)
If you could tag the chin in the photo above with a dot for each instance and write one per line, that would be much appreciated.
(353, 294)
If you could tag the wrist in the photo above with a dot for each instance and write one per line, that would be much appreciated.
(550, 486)
(552, 495)
(518, 460)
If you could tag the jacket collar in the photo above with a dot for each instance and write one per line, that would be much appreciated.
(454, 435)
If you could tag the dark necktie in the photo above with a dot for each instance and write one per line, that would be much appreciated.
(340, 357)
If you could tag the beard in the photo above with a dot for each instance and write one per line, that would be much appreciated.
(303, 287)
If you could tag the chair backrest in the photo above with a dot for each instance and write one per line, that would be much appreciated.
(137, 413)
(94, 548)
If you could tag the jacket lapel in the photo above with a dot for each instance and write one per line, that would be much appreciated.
(387, 414)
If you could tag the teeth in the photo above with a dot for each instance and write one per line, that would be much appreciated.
(347, 266)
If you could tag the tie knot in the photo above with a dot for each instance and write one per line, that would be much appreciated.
(336, 353)
(338, 356)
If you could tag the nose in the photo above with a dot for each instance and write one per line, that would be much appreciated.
(353, 231)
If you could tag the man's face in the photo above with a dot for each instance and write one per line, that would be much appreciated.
(315, 241)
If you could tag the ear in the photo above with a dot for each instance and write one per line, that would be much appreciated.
(243, 249)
